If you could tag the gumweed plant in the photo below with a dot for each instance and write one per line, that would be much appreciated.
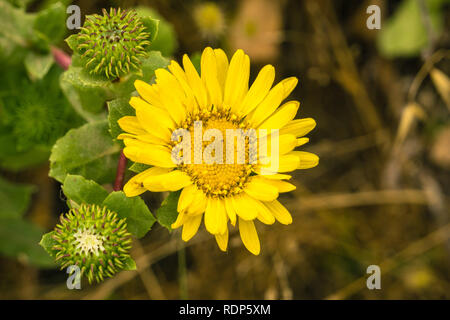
(220, 146)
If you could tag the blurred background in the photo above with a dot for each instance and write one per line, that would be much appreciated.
(380, 195)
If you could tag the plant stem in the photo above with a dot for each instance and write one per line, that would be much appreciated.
(182, 273)
(61, 58)
(121, 166)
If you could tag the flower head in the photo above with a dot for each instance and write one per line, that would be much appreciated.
(187, 125)
(94, 239)
(113, 44)
(209, 19)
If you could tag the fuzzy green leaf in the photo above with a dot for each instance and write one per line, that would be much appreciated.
(129, 264)
(15, 31)
(88, 151)
(72, 42)
(47, 26)
(139, 167)
(150, 24)
(38, 65)
(14, 198)
(167, 213)
(165, 41)
(81, 190)
(139, 218)
(47, 242)
(86, 93)
(19, 239)
(118, 108)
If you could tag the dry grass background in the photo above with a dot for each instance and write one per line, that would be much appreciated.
(379, 195)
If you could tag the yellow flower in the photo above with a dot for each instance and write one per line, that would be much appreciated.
(209, 19)
(219, 99)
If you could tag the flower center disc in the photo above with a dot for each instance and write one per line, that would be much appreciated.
(218, 176)
(89, 242)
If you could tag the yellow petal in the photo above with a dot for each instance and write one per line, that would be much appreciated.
(279, 211)
(259, 189)
(172, 95)
(222, 240)
(146, 137)
(244, 206)
(289, 85)
(131, 124)
(267, 106)
(302, 141)
(264, 214)
(198, 205)
(154, 120)
(171, 181)
(154, 155)
(209, 76)
(282, 186)
(236, 85)
(277, 176)
(215, 216)
(187, 196)
(286, 143)
(148, 93)
(180, 75)
(281, 117)
(307, 160)
(181, 218)
(298, 127)
(135, 185)
(259, 89)
(190, 227)
(195, 83)
(286, 163)
(222, 67)
(249, 236)
(230, 210)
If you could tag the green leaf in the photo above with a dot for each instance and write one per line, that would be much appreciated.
(47, 242)
(14, 160)
(86, 93)
(139, 218)
(48, 26)
(118, 108)
(19, 239)
(167, 213)
(150, 24)
(88, 151)
(38, 65)
(14, 198)
(165, 41)
(72, 42)
(130, 264)
(404, 34)
(139, 167)
(15, 31)
(81, 190)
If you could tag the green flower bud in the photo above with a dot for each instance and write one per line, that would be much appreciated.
(94, 239)
(113, 44)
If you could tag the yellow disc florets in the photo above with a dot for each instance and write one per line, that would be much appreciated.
(219, 175)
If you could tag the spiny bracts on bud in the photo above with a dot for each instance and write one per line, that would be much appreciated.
(113, 44)
(94, 239)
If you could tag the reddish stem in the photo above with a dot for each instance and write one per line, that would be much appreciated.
(121, 166)
(61, 58)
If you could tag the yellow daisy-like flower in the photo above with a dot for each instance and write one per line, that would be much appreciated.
(219, 99)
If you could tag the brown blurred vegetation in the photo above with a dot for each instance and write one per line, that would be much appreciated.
(380, 194)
